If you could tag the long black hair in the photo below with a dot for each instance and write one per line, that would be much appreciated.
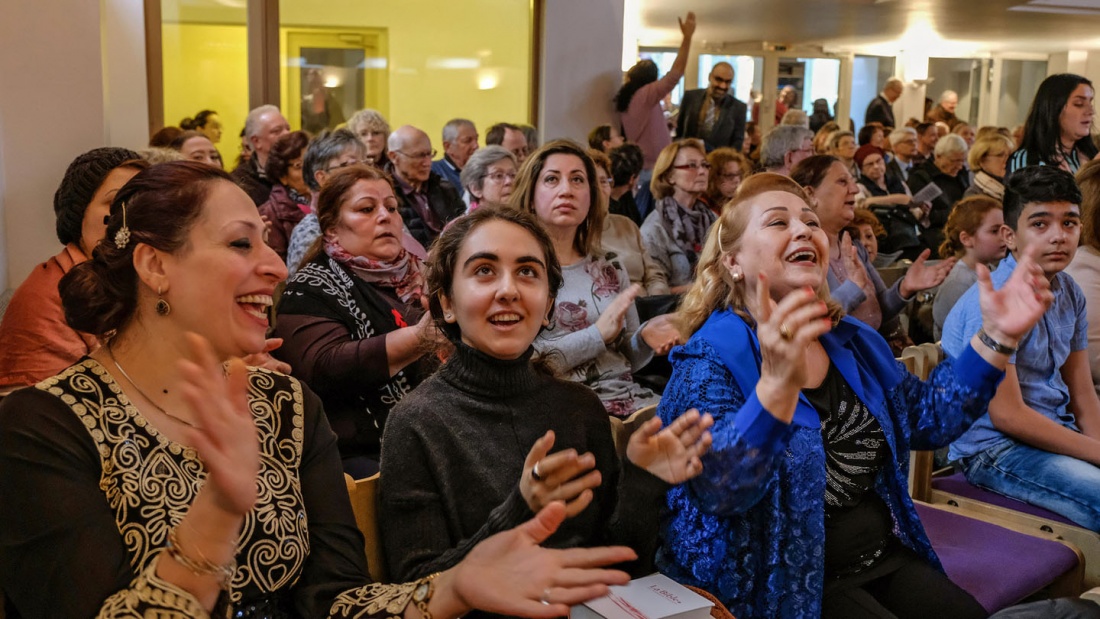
(642, 73)
(1042, 131)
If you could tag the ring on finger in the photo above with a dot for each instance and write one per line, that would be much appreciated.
(545, 597)
(785, 332)
(535, 472)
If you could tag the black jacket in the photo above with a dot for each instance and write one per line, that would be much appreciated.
(954, 188)
(881, 110)
(247, 177)
(729, 126)
(443, 201)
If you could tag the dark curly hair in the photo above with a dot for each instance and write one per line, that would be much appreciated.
(286, 149)
(162, 203)
(642, 73)
(443, 260)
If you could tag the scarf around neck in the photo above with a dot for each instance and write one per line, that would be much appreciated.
(404, 274)
(688, 227)
(989, 184)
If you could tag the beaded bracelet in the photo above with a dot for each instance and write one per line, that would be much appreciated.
(202, 567)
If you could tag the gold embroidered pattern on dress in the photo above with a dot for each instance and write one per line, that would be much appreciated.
(150, 481)
(373, 600)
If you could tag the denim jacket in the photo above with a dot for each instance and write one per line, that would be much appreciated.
(750, 529)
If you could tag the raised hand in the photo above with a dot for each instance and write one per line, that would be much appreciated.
(224, 434)
(673, 454)
(1009, 313)
(510, 574)
(852, 264)
(263, 359)
(610, 322)
(687, 25)
(564, 476)
(921, 276)
(785, 330)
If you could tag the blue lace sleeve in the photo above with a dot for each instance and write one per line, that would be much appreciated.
(748, 441)
(956, 394)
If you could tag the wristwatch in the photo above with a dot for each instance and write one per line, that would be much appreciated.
(422, 594)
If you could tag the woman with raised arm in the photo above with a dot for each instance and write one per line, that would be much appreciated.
(802, 508)
(151, 478)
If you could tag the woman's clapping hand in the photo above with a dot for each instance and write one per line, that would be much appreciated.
(674, 453)
(564, 476)
(922, 276)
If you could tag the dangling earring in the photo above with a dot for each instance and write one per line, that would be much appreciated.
(162, 308)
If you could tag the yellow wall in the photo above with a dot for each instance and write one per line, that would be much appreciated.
(206, 65)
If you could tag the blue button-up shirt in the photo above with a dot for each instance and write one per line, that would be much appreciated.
(1043, 352)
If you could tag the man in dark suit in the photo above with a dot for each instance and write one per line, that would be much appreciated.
(881, 108)
(712, 114)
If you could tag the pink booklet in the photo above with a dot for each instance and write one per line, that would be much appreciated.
(653, 597)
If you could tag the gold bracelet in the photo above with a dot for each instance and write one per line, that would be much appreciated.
(203, 566)
(422, 595)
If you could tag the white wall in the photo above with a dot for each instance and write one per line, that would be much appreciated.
(582, 49)
(56, 82)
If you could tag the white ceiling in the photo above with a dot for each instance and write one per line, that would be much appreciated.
(941, 27)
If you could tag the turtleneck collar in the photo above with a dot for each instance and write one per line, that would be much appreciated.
(479, 374)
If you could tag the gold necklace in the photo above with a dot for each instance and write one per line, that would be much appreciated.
(175, 418)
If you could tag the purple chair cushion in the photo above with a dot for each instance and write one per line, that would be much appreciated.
(988, 561)
(957, 484)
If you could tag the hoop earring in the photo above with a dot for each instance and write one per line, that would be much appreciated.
(161, 307)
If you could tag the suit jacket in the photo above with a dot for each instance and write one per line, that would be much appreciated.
(881, 110)
(729, 126)
(894, 167)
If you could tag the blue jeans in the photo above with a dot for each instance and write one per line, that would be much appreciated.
(1061, 484)
(643, 197)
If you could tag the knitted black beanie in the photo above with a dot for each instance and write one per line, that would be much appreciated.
(83, 178)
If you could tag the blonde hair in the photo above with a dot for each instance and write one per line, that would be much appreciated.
(660, 185)
(714, 288)
(991, 143)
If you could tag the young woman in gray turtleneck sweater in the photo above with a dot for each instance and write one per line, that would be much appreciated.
(467, 453)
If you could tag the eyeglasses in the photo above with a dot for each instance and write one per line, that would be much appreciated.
(693, 166)
(421, 155)
(499, 177)
(344, 164)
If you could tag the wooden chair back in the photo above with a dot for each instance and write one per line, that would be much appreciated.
(364, 504)
(621, 429)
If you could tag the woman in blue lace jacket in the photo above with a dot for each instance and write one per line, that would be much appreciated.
(802, 508)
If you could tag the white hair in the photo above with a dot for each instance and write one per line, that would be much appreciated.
(252, 122)
(450, 130)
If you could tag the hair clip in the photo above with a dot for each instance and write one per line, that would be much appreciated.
(122, 237)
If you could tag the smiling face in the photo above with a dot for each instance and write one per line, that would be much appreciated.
(784, 241)
(835, 198)
(92, 228)
(1054, 227)
(500, 296)
(200, 148)
(220, 283)
(562, 194)
(369, 224)
(1075, 120)
(720, 80)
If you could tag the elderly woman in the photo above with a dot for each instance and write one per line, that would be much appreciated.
(140, 484)
(594, 337)
(675, 230)
(622, 238)
(351, 317)
(727, 169)
(37, 341)
(290, 195)
(802, 508)
(988, 159)
(373, 130)
(489, 176)
(881, 188)
(945, 169)
(327, 153)
(492, 286)
(196, 146)
(1058, 130)
(853, 281)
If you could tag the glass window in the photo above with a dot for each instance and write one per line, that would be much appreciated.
(664, 57)
(869, 75)
(205, 63)
(418, 62)
(748, 75)
(811, 79)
